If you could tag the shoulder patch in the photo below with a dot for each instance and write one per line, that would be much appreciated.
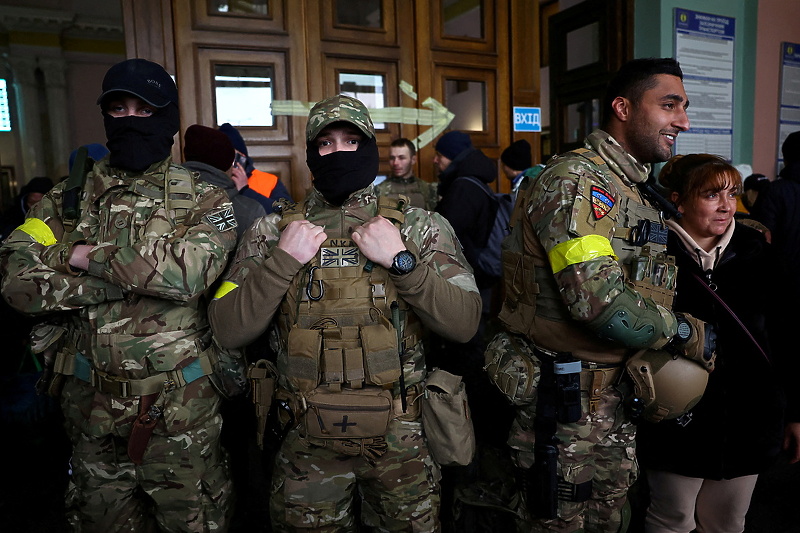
(602, 202)
(222, 218)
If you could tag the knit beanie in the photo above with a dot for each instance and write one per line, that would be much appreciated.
(41, 185)
(791, 148)
(208, 146)
(517, 156)
(453, 143)
(235, 137)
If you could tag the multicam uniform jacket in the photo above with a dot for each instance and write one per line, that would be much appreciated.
(139, 311)
(572, 199)
(441, 290)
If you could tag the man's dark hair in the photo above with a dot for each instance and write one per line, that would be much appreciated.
(402, 141)
(634, 78)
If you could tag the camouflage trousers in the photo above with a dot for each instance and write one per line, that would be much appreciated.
(599, 447)
(317, 489)
(183, 484)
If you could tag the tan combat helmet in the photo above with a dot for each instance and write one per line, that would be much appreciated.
(668, 386)
(338, 108)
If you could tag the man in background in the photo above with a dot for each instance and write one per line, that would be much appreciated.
(262, 186)
(516, 162)
(402, 158)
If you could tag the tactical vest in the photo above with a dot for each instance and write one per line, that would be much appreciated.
(533, 305)
(341, 314)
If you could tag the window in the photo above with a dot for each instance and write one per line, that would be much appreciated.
(467, 101)
(463, 18)
(364, 13)
(369, 88)
(238, 7)
(244, 94)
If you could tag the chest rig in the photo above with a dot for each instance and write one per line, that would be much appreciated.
(342, 319)
(534, 306)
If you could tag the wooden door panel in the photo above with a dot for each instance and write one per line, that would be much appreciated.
(385, 33)
(274, 21)
(206, 61)
(416, 46)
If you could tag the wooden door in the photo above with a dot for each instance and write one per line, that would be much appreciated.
(589, 42)
(422, 66)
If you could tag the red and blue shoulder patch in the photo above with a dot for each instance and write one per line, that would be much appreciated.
(602, 202)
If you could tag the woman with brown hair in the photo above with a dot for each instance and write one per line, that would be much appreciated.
(702, 467)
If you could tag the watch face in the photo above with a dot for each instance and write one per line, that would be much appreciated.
(404, 262)
(684, 330)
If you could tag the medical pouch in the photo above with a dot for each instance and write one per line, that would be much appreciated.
(348, 414)
(446, 419)
(304, 348)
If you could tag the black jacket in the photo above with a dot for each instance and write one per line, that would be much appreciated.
(779, 210)
(737, 426)
(467, 206)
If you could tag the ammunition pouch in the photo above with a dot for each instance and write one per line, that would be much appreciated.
(343, 356)
(653, 275)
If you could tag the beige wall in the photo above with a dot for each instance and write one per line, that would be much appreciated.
(778, 21)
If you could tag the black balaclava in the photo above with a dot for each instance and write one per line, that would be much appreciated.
(136, 143)
(339, 174)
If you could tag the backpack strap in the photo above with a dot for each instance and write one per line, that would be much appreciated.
(485, 188)
(70, 202)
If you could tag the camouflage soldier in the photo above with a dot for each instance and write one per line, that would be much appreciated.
(587, 285)
(347, 283)
(402, 158)
(120, 255)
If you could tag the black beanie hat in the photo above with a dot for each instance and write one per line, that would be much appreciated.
(453, 143)
(517, 156)
(791, 148)
(40, 185)
(208, 146)
(235, 137)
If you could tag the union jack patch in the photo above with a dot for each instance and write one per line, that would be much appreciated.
(222, 219)
(338, 256)
(602, 202)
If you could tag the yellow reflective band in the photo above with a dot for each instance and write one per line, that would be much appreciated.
(39, 231)
(224, 289)
(579, 250)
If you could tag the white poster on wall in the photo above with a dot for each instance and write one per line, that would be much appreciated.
(704, 46)
(789, 98)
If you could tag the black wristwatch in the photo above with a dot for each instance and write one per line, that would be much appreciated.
(403, 263)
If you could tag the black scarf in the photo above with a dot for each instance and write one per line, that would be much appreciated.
(136, 143)
(339, 174)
